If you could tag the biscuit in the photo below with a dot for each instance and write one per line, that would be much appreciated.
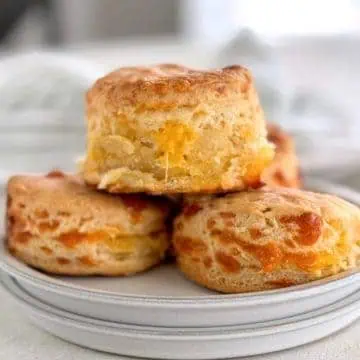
(169, 129)
(265, 239)
(284, 170)
(56, 224)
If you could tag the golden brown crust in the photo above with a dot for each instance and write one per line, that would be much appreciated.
(284, 170)
(169, 83)
(265, 239)
(168, 129)
(57, 224)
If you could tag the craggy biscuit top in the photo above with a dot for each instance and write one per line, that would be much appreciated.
(167, 84)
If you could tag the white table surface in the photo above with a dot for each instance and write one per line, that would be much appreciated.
(21, 340)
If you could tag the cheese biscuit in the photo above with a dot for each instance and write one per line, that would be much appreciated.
(56, 224)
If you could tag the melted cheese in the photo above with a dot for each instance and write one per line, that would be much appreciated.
(173, 140)
(116, 243)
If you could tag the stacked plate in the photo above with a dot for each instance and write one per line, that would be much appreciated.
(160, 314)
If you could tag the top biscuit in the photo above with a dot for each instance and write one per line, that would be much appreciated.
(170, 129)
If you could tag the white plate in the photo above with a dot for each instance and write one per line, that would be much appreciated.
(187, 343)
(163, 297)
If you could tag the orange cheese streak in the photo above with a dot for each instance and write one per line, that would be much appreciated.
(191, 210)
(187, 244)
(134, 202)
(227, 262)
(309, 227)
(71, 239)
(270, 255)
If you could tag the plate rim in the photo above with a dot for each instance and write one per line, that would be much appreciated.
(317, 316)
(11, 265)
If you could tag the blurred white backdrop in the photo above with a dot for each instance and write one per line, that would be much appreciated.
(273, 18)
(72, 22)
(305, 56)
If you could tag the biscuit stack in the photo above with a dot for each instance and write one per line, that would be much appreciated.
(200, 139)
